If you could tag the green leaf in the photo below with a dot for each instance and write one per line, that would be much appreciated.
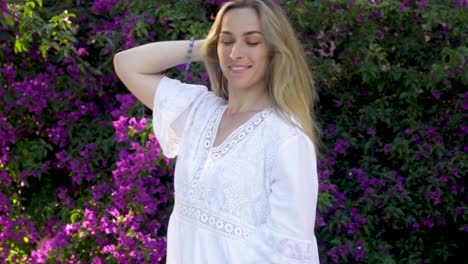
(75, 215)
(9, 20)
(19, 46)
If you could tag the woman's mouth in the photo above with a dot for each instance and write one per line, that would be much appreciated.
(238, 69)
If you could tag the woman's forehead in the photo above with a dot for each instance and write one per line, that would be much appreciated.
(241, 21)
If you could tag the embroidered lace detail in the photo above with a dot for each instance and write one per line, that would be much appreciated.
(170, 103)
(239, 134)
(290, 250)
(212, 222)
(235, 137)
(207, 142)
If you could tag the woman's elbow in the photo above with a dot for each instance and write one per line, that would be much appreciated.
(118, 63)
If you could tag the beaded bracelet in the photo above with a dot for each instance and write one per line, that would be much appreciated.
(189, 54)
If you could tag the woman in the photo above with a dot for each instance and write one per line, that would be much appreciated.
(245, 180)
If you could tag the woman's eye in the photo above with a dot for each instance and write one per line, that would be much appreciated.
(225, 42)
(253, 43)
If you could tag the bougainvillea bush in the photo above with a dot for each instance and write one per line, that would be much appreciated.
(393, 78)
(83, 179)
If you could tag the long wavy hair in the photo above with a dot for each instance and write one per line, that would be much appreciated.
(288, 77)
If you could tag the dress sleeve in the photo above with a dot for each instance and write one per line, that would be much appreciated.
(288, 235)
(172, 104)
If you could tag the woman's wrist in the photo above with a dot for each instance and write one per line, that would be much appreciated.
(196, 50)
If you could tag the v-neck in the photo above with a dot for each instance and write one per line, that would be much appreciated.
(238, 133)
(236, 136)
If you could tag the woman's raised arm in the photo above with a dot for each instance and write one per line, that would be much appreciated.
(139, 68)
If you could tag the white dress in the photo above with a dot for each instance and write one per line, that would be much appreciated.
(252, 199)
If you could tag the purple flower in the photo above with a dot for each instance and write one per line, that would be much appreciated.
(454, 172)
(138, 125)
(9, 73)
(437, 94)
(360, 17)
(464, 105)
(352, 228)
(448, 84)
(427, 222)
(415, 227)
(319, 220)
(325, 174)
(388, 148)
(422, 4)
(82, 52)
(461, 4)
(126, 100)
(74, 71)
(97, 260)
(204, 78)
(370, 131)
(341, 146)
(121, 129)
(359, 253)
(332, 254)
(402, 8)
(336, 8)
(102, 6)
(376, 14)
(180, 67)
(431, 132)
(338, 103)
(443, 179)
(188, 76)
(332, 129)
(344, 249)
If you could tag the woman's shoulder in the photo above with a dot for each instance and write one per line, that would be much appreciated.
(282, 126)
(283, 134)
(181, 90)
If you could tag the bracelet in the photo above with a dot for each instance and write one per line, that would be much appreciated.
(189, 54)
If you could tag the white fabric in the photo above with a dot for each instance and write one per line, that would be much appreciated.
(251, 199)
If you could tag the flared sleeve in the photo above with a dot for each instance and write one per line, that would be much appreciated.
(288, 235)
(172, 104)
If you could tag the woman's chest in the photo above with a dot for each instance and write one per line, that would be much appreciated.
(231, 180)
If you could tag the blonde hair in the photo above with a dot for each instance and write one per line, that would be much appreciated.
(288, 78)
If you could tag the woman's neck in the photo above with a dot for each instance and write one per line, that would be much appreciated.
(251, 100)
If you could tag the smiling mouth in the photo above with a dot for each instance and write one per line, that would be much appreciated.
(239, 69)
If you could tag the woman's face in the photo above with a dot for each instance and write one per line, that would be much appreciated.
(242, 50)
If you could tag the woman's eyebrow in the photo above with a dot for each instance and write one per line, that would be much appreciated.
(245, 33)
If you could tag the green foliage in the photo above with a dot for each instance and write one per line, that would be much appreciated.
(392, 80)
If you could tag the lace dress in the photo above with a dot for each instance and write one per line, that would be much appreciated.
(252, 199)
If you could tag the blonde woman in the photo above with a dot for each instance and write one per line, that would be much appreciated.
(246, 180)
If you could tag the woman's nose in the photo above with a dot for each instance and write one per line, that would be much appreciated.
(236, 51)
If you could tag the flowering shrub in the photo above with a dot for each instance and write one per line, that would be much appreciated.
(393, 103)
(82, 178)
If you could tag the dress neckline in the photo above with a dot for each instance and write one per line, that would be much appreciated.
(231, 140)
(237, 134)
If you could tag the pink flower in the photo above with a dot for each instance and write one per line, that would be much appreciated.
(82, 52)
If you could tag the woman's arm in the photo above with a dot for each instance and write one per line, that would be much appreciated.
(139, 68)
